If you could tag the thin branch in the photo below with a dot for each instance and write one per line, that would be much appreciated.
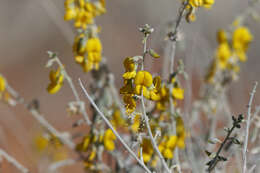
(151, 136)
(57, 165)
(111, 127)
(13, 161)
(64, 137)
(248, 126)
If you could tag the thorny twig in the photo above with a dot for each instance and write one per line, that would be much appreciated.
(214, 161)
(13, 161)
(248, 126)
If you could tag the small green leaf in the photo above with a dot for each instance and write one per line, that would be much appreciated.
(153, 53)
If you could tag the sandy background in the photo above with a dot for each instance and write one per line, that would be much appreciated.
(28, 28)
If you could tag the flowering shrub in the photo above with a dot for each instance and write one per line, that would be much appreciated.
(144, 125)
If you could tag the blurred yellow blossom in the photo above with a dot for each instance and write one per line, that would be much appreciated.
(147, 150)
(178, 93)
(136, 124)
(56, 81)
(109, 140)
(2, 83)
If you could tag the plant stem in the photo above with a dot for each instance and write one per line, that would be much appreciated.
(13, 161)
(248, 126)
(151, 136)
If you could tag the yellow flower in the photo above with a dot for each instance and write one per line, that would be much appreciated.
(2, 84)
(41, 142)
(201, 3)
(221, 36)
(167, 146)
(130, 68)
(208, 3)
(56, 81)
(241, 38)
(180, 131)
(94, 50)
(223, 54)
(143, 78)
(155, 92)
(136, 124)
(86, 142)
(117, 120)
(178, 93)
(127, 88)
(147, 150)
(196, 3)
(130, 103)
(93, 154)
(70, 10)
(109, 138)
(79, 48)
(85, 15)
(164, 98)
(139, 89)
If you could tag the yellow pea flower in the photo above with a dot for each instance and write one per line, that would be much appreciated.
(221, 36)
(155, 92)
(147, 150)
(79, 48)
(2, 84)
(130, 103)
(56, 81)
(136, 124)
(117, 119)
(223, 54)
(93, 154)
(94, 50)
(109, 138)
(128, 88)
(178, 93)
(143, 78)
(41, 143)
(167, 146)
(180, 131)
(208, 3)
(241, 38)
(139, 89)
(130, 68)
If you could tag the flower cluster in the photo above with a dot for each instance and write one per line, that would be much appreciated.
(91, 143)
(152, 88)
(87, 46)
(231, 51)
(83, 12)
(193, 5)
(170, 142)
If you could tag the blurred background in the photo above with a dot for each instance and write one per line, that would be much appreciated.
(29, 28)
